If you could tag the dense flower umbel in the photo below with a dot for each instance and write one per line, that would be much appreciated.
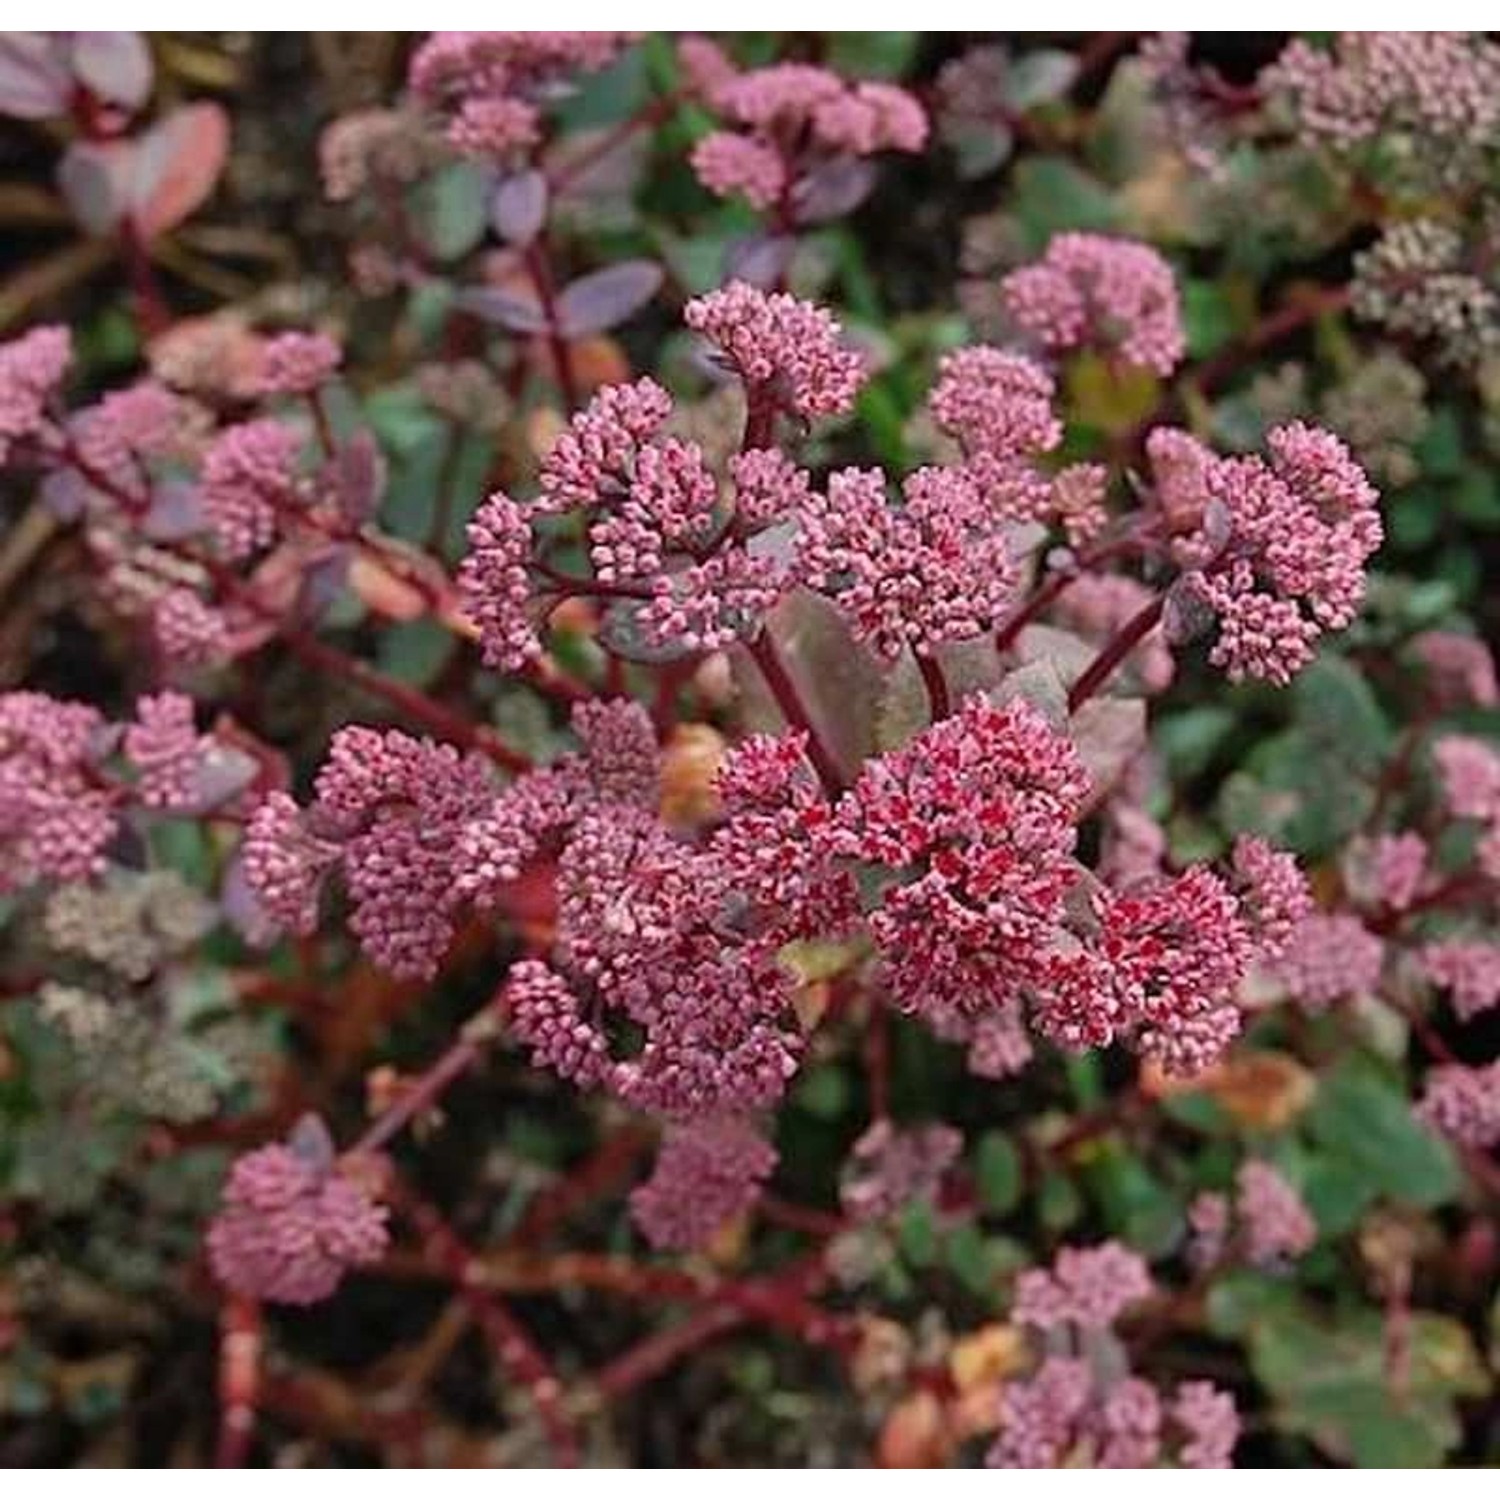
(1280, 552)
(782, 124)
(705, 1174)
(1082, 1406)
(784, 349)
(1111, 294)
(1331, 956)
(31, 369)
(493, 85)
(292, 1225)
(1463, 1104)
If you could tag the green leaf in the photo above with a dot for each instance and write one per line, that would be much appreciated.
(873, 54)
(997, 1168)
(449, 209)
(1369, 1145)
(1051, 194)
(968, 1257)
(1330, 1383)
(1058, 1202)
(917, 1236)
(1208, 314)
(415, 651)
(824, 1092)
(1135, 1204)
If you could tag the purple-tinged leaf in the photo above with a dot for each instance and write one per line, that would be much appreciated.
(221, 775)
(604, 299)
(516, 311)
(311, 1142)
(831, 190)
(760, 259)
(97, 180)
(326, 577)
(242, 907)
(36, 81)
(116, 65)
(518, 207)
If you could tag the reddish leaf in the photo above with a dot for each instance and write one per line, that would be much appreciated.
(832, 190)
(116, 65)
(178, 163)
(605, 299)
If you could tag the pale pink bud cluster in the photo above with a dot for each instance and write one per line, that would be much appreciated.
(494, 582)
(787, 119)
(1440, 89)
(1469, 770)
(548, 1018)
(1388, 870)
(166, 750)
(1273, 891)
(1272, 1217)
(57, 814)
(785, 350)
(1460, 668)
(31, 370)
(493, 85)
(1332, 956)
(889, 1168)
(291, 1225)
(1092, 290)
(1281, 552)
(1468, 970)
(706, 1173)
(1086, 1288)
(1463, 1104)
(395, 809)
(727, 163)
(938, 569)
(249, 477)
(297, 364)
(1069, 1414)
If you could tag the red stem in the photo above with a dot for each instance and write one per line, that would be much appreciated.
(768, 658)
(241, 1342)
(1114, 651)
(936, 685)
(478, 1032)
(513, 1346)
(562, 355)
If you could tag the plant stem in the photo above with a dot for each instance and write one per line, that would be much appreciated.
(470, 1045)
(1114, 651)
(936, 685)
(767, 657)
(562, 354)
(517, 1352)
(241, 1342)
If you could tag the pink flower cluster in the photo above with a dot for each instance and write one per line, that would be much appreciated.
(1086, 1289)
(1461, 668)
(297, 364)
(493, 85)
(57, 811)
(31, 370)
(1332, 956)
(166, 750)
(787, 119)
(1085, 1407)
(1440, 89)
(1273, 1221)
(706, 1173)
(390, 810)
(889, 1168)
(1463, 1104)
(1387, 871)
(249, 479)
(291, 1225)
(788, 352)
(1469, 970)
(1094, 291)
(1280, 551)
